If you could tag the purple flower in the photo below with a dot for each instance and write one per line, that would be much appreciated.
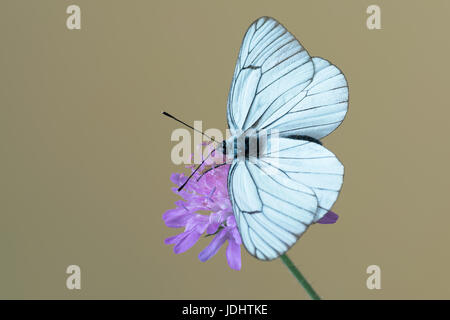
(329, 218)
(207, 191)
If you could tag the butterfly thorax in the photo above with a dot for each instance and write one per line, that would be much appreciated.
(245, 146)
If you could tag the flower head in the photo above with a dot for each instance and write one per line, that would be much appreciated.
(206, 191)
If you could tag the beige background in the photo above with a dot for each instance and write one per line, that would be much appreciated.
(85, 154)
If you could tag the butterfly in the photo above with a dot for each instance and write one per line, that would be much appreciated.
(282, 102)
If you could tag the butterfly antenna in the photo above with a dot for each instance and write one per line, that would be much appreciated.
(189, 126)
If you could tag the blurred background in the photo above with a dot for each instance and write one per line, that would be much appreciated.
(85, 154)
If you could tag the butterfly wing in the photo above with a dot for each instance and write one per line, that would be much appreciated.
(272, 210)
(318, 111)
(272, 67)
(276, 197)
(277, 85)
(310, 164)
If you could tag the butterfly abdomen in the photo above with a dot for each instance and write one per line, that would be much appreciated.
(253, 146)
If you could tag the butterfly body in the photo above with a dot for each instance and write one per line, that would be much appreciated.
(247, 146)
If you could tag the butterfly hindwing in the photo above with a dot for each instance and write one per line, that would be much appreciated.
(271, 219)
(320, 110)
(310, 164)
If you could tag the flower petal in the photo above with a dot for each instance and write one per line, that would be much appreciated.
(176, 218)
(215, 220)
(235, 236)
(329, 218)
(234, 255)
(187, 242)
(178, 178)
(214, 246)
(198, 222)
(175, 239)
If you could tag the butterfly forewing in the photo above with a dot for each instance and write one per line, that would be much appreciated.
(273, 65)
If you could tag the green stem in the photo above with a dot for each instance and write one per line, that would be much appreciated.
(297, 274)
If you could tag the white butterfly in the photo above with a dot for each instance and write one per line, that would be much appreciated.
(291, 181)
